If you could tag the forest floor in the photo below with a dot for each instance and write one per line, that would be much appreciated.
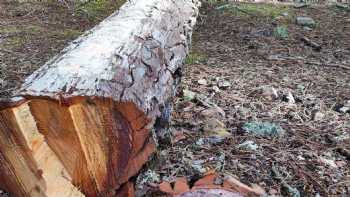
(246, 60)
(262, 98)
(33, 31)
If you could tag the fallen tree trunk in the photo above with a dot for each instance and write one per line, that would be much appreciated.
(82, 126)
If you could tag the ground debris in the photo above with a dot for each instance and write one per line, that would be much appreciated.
(264, 129)
(248, 145)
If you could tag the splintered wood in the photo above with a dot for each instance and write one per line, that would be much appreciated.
(82, 124)
(88, 146)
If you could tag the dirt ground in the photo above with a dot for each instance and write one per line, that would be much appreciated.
(239, 46)
(247, 61)
(33, 31)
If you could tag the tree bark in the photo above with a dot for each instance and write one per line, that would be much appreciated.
(82, 125)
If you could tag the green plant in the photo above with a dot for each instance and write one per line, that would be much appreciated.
(267, 10)
(281, 32)
(96, 9)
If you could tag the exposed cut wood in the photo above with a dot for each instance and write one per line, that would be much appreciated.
(82, 126)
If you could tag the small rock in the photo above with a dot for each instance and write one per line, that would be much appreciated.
(300, 5)
(317, 116)
(224, 84)
(289, 98)
(248, 145)
(202, 82)
(305, 21)
(270, 93)
(188, 95)
(3, 83)
(343, 109)
(300, 158)
(216, 89)
(329, 162)
(200, 142)
(307, 28)
(300, 87)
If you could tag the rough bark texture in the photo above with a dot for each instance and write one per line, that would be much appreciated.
(82, 125)
(134, 55)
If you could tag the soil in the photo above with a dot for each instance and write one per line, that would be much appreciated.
(240, 46)
(33, 31)
(236, 44)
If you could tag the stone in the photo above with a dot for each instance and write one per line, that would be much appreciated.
(317, 116)
(202, 82)
(306, 21)
(248, 145)
(300, 5)
(224, 84)
(216, 89)
(269, 93)
(344, 109)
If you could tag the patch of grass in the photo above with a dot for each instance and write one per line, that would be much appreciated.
(195, 58)
(97, 9)
(65, 34)
(70, 33)
(20, 29)
(7, 29)
(14, 42)
(266, 10)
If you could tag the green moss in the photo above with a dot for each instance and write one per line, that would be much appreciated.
(196, 58)
(263, 129)
(98, 9)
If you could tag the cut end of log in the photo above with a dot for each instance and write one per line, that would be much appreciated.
(84, 146)
(84, 127)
